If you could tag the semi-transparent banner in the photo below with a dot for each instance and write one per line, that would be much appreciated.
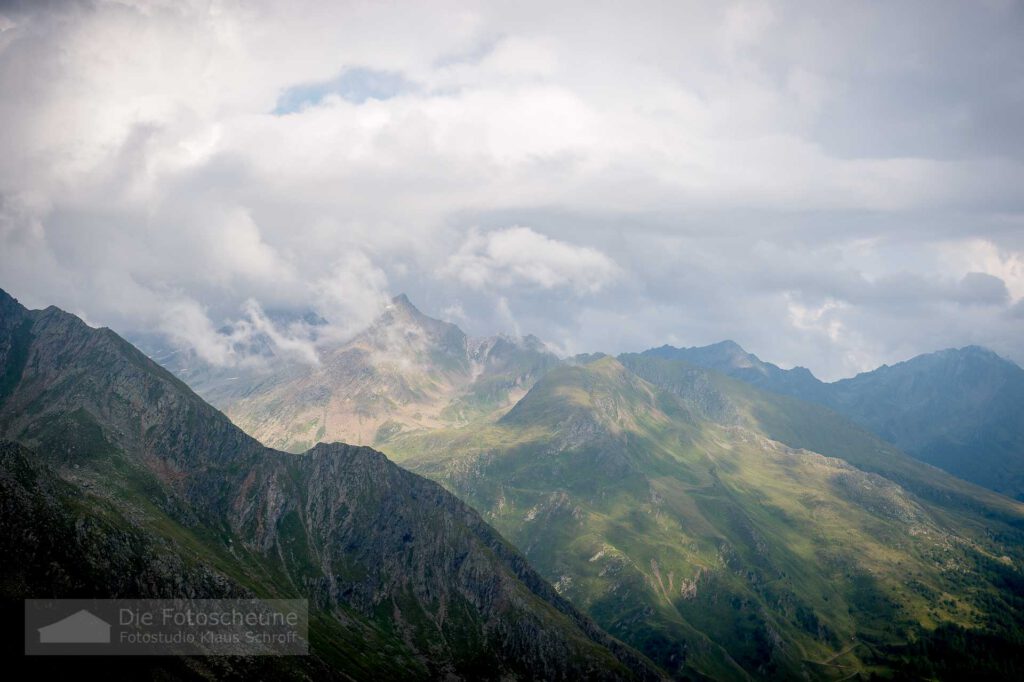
(162, 627)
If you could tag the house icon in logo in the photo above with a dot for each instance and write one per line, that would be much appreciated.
(81, 627)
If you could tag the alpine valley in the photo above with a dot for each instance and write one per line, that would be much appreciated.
(727, 518)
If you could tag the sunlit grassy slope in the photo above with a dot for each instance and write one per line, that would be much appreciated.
(688, 522)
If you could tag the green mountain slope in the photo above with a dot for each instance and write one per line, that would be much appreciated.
(961, 410)
(800, 424)
(680, 522)
(125, 483)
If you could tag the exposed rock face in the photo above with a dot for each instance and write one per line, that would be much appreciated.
(50, 549)
(152, 492)
(407, 372)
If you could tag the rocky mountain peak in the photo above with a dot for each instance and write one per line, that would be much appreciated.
(734, 354)
(602, 393)
(402, 301)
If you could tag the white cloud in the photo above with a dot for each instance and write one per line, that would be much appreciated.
(508, 320)
(350, 295)
(237, 249)
(982, 255)
(518, 256)
(293, 341)
(186, 322)
(699, 165)
(244, 341)
(454, 313)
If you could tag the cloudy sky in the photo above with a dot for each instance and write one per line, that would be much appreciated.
(834, 185)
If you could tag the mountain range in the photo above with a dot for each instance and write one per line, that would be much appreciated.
(118, 481)
(961, 410)
(663, 496)
(718, 517)
(407, 371)
(719, 528)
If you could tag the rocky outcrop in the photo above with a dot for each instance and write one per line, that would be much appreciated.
(406, 372)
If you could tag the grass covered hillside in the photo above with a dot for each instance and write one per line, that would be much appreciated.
(960, 409)
(681, 520)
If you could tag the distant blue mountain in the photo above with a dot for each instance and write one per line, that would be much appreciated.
(961, 410)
